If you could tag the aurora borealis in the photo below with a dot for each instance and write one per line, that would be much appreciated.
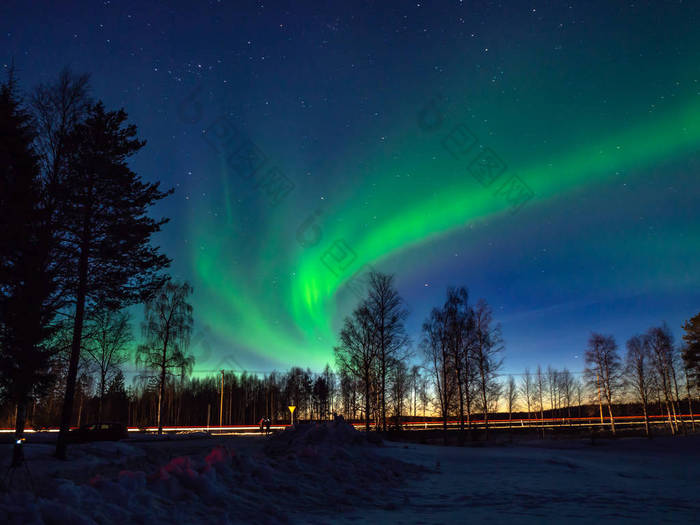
(594, 107)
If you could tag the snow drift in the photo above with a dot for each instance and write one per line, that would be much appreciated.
(308, 470)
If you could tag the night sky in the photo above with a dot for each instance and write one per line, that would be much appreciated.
(544, 154)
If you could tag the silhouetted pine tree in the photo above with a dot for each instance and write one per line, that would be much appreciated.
(106, 231)
(691, 349)
(29, 292)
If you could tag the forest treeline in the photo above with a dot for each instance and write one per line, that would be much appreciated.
(76, 253)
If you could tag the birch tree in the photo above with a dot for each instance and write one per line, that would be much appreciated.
(539, 395)
(437, 353)
(356, 354)
(603, 369)
(527, 390)
(486, 352)
(166, 329)
(387, 316)
(639, 373)
(660, 342)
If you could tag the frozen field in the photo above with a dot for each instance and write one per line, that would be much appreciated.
(632, 481)
(330, 474)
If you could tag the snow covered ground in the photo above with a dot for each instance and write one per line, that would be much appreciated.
(331, 474)
(626, 481)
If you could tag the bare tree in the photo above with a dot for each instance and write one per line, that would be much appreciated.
(460, 335)
(109, 334)
(356, 354)
(539, 395)
(486, 353)
(675, 363)
(320, 396)
(166, 329)
(424, 393)
(604, 369)
(688, 390)
(566, 387)
(470, 388)
(414, 381)
(332, 382)
(399, 380)
(348, 392)
(552, 388)
(527, 390)
(387, 315)
(639, 373)
(578, 390)
(437, 352)
(660, 341)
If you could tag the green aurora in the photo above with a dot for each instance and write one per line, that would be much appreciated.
(286, 305)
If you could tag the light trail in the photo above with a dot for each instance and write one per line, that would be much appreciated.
(452, 424)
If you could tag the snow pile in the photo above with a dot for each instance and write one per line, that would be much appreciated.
(309, 469)
(333, 465)
(327, 436)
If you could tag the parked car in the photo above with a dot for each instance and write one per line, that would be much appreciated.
(99, 432)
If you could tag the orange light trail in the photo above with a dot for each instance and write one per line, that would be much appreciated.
(500, 423)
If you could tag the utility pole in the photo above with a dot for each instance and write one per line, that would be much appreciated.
(221, 409)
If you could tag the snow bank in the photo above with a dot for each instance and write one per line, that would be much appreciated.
(304, 471)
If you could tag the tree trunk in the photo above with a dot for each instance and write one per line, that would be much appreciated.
(678, 400)
(671, 413)
(161, 394)
(67, 413)
(612, 419)
(670, 419)
(541, 413)
(529, 414)
(100, 401)
(486, 408)
(468, 399)
(161, 386)
(444, 401)
(690, 401)
(81, 395)
(461, 400)
(600, 399)
(646, 417)
(367, 403)
(383, 400)
(20, 419)
(414, 399)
